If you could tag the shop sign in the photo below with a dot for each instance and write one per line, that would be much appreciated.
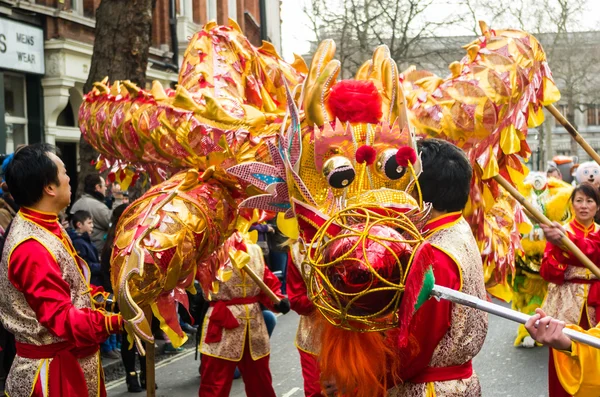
(21, 47)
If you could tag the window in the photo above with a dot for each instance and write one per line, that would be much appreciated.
(76, 6)
(211, 10)
(563, 110)
(593, 113)
(15, 103)
(186, 9)
(232, 8)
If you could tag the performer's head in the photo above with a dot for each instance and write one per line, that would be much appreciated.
(586, 201)
(446, 177)
(37, 178)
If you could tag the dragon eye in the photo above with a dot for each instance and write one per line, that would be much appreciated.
(387, 165)
(339, 172)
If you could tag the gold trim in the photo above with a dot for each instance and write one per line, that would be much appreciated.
(41, 212)
(437, 218)
(460, 274)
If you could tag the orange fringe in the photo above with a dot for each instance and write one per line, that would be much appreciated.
(360, 363)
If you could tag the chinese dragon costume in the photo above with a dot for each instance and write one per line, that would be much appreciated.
(335, 159)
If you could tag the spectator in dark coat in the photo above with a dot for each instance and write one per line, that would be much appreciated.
(80, 235)
(93, 201)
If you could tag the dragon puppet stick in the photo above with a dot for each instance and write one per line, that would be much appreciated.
(480, 304)
(240, 259)
(573, 132)
(261, 284)
(150, 360)
(541, 218)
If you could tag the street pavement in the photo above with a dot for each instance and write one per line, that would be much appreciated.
(503, 370)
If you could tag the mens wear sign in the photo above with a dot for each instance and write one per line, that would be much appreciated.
(21, 47)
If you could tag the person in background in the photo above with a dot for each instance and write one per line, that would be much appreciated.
(80, 236)
(93, 201)
(83, 225)
(107, 250)
(63, 219)
(278, 253)
(553, 172)
(263, 230)
(119, 196)
(127, 355)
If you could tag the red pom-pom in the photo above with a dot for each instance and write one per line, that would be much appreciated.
(406, 155)
(355, 101)
(366, 154)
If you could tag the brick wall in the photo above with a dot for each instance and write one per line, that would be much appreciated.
(160, 24)
(252, 31)
(200, 12)
(253, 7)
(62, 28)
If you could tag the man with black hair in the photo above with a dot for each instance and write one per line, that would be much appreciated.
(444, 337)
(45, 296)
(93, 201)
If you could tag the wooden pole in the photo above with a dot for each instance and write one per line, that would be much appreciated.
(261, 284)
(541, 218)
(150, 373)
(573, 132)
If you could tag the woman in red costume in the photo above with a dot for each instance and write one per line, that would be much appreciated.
(573, 292)
(45, 297)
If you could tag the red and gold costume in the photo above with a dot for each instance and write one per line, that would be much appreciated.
(577, 370)
(47, 304)
(444, 337)
(346, 152)
(234, 332)
(573, 291)
(307, 336)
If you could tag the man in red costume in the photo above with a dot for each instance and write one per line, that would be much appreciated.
(45, 297)
(234, 333)
(444, 337)
(307, 337)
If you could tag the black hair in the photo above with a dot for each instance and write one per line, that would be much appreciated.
(90, 182)
(29, 172)
(588, 190)
(80, 217)
(446, 178)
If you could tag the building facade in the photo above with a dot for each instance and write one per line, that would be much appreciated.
(46, 51)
